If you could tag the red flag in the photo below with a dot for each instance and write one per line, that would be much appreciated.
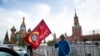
(40, 32)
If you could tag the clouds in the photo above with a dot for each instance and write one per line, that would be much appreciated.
(89, 5)
(58, 14)
(40, 10)
(88, 15)
(8, 19)
(14, 17)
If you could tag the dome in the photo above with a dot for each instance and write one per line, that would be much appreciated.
(13, 29)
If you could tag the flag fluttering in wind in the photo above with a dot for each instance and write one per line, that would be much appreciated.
(40, 32)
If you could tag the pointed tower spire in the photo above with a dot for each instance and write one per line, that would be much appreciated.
(76, 29)
(65, 34)
(23, 23)
(54, 36)
(22, 33)
(6, 39)
(75, 13)
(44, 41)
(23, 26)
(76, 22)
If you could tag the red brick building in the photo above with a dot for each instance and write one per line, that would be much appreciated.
(77, 33)
(17, 37)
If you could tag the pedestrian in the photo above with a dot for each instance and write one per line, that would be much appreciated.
(29, 50)
(63, 45)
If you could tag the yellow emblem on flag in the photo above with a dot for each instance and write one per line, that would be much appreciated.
(33, 36)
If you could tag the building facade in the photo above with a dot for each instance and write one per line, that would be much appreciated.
(17, 37)
(77, 33)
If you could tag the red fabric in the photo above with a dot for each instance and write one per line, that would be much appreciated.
(41, 31)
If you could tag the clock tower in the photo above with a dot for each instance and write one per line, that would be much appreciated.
(76, 29)
(23, 28)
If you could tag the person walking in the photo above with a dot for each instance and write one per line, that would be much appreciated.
(29, 50)
(63, 45)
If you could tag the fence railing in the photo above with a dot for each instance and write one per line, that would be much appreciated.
(85, 50)
(77, 49)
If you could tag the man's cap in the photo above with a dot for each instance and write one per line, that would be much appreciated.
(62, 36)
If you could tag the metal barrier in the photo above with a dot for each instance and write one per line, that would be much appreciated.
(77, 49)
(85, 50)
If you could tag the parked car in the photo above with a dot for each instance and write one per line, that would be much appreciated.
(6, 51)
(20, 50)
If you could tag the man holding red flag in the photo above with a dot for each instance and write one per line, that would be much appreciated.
(40, 32)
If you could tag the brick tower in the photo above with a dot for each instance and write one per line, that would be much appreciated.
(76, 29)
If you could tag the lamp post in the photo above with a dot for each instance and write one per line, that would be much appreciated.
(94, 35)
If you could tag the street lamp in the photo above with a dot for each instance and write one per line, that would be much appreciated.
(94, 35)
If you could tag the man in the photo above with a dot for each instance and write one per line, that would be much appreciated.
(64, 46)
(29, 50)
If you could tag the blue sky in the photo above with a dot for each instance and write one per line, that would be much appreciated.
(58, 14)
